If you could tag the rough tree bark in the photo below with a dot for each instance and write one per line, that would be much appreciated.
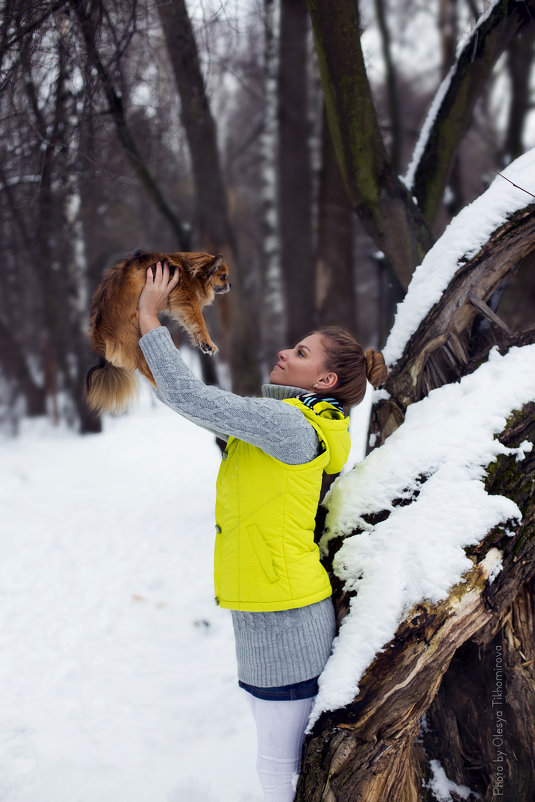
(449, 36)
(215, 231)
(519, 60)
(400, 227)
(273, 301)
(377, 195)
(335, 284)
(451, 659)
(392, 92)
(295, 184)
(442, 663)
(15, 368)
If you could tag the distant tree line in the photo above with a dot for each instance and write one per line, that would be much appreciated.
(170, 126)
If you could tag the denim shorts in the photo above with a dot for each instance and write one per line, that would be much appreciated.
(298, 690)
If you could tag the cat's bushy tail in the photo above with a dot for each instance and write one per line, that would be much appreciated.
(109, 388)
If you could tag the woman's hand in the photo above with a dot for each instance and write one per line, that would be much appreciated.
(153, 298)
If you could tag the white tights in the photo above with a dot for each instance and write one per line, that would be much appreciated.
(280, 729)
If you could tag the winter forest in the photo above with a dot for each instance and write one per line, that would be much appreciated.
(363, 163)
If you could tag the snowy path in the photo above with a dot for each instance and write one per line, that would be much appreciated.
(117, 669)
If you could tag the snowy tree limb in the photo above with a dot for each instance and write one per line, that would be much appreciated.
(451, 110)
(443, 346)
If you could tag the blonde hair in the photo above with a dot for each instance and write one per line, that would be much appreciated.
(352, 365)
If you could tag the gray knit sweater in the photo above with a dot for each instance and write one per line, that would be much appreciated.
(272, 648)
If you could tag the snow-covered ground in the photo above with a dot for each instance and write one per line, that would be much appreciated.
(117, 669)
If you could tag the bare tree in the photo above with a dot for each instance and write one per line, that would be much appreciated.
(454, 104)
(335, 280)
(399, 227)
(295, 180)
(90, 17)
(519, 60)
(215, 229)
(273, 300)
(396, 140)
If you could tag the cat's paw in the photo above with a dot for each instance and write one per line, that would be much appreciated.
(208, 348)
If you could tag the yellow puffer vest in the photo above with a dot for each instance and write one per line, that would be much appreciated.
(265, 555)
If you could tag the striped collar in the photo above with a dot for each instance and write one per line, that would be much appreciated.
(311, 399)
(282, 391)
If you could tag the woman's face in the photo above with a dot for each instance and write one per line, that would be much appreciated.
(304, 366)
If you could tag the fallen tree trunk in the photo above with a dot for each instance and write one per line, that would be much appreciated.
(444, 707)
(448, 661)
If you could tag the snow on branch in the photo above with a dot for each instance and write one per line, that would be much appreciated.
(461, 241)
(435, 465)
(468, 44)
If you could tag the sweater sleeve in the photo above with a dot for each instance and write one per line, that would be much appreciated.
(277, 428)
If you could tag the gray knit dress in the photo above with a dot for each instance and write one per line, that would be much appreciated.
(272, 648)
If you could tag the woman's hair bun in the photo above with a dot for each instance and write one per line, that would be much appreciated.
(376, 371)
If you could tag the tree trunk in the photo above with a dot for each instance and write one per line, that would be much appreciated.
(295, 177)
(400, 227)
(466, 663)
(15, 369)
(519, 60)
(52, 129)
(448, 29)
(380, 199)
(273, 301)
(396, 143)
(454, 689)
(215, 232)
(481, 722)
(335, 294)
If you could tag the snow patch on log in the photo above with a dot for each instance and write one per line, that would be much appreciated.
(435, 465)
(492, 564)
(461, 241)
(442, 787)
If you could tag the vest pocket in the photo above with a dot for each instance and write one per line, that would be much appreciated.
(262, 552)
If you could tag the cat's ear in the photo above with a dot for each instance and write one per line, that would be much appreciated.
(216, 264)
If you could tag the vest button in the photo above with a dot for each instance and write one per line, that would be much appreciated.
(218, 529)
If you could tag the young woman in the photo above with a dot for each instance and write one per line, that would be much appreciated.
(267, 567)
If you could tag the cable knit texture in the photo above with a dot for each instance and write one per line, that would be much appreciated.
(272, 648)
(283, 647)
(278, 429)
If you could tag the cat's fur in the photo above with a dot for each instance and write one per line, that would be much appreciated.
(114, 329)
